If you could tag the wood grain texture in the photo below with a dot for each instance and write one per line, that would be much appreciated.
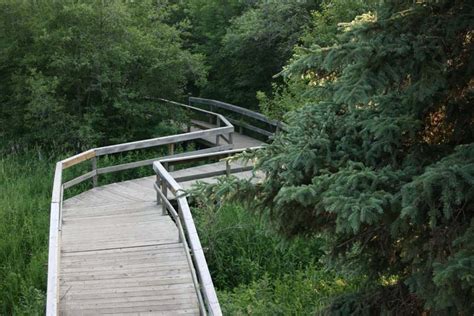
(120, 255)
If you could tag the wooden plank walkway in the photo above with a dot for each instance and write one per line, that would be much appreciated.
(239, 140)
(119, 254)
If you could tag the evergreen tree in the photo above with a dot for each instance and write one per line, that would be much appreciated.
(382, 161)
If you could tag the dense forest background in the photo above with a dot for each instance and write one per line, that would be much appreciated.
(367, 205)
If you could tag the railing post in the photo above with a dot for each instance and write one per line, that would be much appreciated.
(94, 168)
(181, 225)
(210, 116)
(164, 189)
(227, 167)
(217, 140)
(158, 184)
(170, 153)
(231, 138)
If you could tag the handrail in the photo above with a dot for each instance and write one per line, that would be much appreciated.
(52, 297)
(273, 124)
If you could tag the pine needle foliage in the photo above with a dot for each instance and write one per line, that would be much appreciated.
(383, 162)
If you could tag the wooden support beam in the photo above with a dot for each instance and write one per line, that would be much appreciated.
(94, 169)
(171, 153)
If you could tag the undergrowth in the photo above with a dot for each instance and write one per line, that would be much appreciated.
(257, 272)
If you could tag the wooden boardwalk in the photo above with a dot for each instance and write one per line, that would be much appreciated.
(121, 255)
(120, 249)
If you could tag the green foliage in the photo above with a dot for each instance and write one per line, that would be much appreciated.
(245, 42)
(381, 156)
(258, 272)
(73, 72)
(302, 292)
(241, 248)
(25, 182)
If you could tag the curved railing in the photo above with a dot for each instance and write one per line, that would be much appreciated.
(244, 119)
(222, 129)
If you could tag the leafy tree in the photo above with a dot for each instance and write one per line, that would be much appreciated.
(256, 47)
(383, 160)
(72, 72)
(245, 43)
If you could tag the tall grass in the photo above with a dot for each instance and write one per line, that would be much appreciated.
(25, 187)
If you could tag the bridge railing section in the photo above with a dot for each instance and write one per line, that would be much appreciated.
(247, 121)
(165, 183)
(224, 132)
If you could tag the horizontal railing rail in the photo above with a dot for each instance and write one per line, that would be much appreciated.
(171, 141)
(269, 126)
(185, 223)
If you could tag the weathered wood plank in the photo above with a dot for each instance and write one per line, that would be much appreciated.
(79, 290)
(53, 259)
(123, 250)
(161, 299)
(80, 179)
(112, 206)
(117, 261)
(107, 214)
(137, 282)
(211, 174)
(162, 141)
(57, 184)
(170, 308)
(164, 293)
(74, 160)
(206, 155)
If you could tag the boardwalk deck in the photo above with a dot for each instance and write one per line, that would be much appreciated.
(114, 251)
